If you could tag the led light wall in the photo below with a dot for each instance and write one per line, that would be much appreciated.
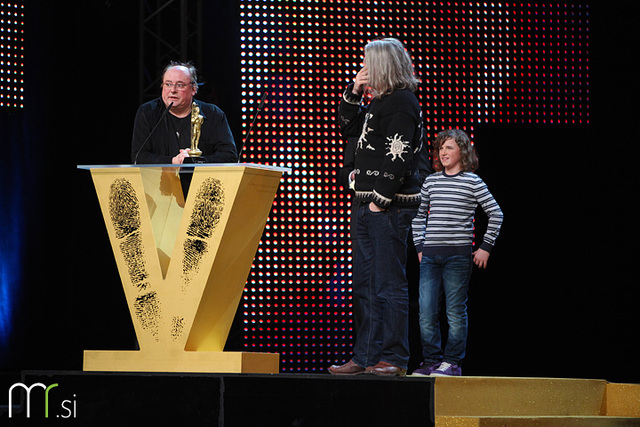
(11, 54)
(479, 63)
(11, 214)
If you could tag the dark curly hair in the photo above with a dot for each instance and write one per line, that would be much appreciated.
(468, 155)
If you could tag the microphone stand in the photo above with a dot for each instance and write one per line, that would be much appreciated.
(244, 141)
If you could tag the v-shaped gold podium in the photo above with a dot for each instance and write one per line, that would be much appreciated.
(184, 262)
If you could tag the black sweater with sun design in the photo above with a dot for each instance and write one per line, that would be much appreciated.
(388, 148)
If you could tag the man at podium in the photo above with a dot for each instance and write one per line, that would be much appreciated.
(162, 131)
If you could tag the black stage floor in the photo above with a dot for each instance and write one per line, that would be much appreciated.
(223, 400)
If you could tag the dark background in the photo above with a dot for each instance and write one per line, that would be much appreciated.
(559, 298)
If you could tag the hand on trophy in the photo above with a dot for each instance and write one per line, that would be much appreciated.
(179, 158)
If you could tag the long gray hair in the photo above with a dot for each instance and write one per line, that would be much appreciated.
(389, 66)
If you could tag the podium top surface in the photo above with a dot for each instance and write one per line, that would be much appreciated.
(188, 166)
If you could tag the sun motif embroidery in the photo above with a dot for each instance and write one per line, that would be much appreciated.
(397, 147)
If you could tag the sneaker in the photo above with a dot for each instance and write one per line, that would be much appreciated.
(447, 370)
(425, 369)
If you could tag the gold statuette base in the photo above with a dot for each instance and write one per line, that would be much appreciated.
(185, 361)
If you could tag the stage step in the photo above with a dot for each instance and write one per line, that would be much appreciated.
(525, 402)
(598, 421)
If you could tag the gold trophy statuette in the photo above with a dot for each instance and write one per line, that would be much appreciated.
(196, 124)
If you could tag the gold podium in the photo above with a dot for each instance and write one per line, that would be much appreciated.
(184, 263)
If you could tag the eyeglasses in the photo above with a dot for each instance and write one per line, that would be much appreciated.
(179, 85)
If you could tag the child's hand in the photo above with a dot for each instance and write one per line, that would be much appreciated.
(480, 258)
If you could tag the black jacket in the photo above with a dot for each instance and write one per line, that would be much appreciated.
(389, 150)
(159, 146)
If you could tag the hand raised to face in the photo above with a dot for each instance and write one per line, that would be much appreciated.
(361, 81)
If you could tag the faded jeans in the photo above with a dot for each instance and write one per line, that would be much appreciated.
(380, 284)
(448, 276)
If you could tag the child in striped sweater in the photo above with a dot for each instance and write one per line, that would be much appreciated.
(443, 236)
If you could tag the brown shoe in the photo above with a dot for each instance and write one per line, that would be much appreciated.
(385, 369)
(349, 368)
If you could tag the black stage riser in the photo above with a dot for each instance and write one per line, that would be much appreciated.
(223, 400)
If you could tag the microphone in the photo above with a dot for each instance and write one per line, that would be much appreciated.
(244, 141)
(164, 113)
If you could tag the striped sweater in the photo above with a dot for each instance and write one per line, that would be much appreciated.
(444, 223)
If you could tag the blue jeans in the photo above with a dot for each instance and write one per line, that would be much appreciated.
(447, 276)
(380, 285)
